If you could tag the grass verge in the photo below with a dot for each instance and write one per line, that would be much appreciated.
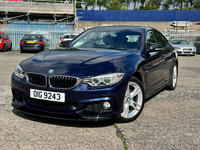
(120, 135)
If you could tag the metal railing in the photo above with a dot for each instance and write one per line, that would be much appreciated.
(53, 35)
(191, 38)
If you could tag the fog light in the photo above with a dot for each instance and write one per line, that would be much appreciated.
(106, 105)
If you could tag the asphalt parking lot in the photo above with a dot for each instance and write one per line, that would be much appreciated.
(170, 119)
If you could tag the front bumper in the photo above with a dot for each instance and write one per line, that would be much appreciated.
(186, 52)
(87, 102)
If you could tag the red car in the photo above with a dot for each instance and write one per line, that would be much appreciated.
(5, 42)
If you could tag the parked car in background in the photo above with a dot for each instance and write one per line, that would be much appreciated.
(104, 73)
(183, 47)
(33, 42)
(5, 42)
(66, 39)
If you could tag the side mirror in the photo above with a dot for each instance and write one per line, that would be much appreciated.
(153, 47)
(61, 38)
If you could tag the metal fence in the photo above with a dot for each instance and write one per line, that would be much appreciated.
(52, 34)
(191, 38)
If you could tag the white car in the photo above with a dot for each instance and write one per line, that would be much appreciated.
(183, 47)
(68, 37)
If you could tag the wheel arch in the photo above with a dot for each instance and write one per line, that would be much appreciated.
(138, 76)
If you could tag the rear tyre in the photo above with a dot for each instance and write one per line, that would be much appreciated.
(133, 101)
(10, 47)
(173, 78)
(4, 49)
(21, 51)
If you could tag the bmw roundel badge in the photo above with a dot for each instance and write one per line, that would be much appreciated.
(51, 71)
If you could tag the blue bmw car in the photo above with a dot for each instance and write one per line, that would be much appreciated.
(105, 73)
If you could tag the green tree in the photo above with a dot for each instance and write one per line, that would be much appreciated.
(197, 5)
(78, 5)
(88, 3)
(135, 2)
(114, 5)
(179, 4)
(142, 3)
(190, 4)
(153, 5)
(101, 3)
(126, 3)
(166, 5)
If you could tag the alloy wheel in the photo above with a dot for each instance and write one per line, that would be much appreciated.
(133, 101)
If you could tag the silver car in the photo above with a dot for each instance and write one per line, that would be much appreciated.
(183, 47)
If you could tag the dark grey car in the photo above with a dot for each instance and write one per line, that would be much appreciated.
(33, 42)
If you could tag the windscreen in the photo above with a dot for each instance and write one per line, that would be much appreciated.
(108, 39)
(32, 37)
(183, 42)
(69, 36)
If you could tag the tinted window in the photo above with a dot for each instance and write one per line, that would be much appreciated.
(160, 39)
(32, 37)
(150, 37)
(5, 36)
(179, 42)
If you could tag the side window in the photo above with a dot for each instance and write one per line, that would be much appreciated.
(161, 40)
(5, 36)
(150, 39)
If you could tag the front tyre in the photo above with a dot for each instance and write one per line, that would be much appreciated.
(173, 78)
(133, 101)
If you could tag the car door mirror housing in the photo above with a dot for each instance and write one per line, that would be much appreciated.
(153, 47)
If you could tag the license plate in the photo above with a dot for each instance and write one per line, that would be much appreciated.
(30, 41)
(47, 95)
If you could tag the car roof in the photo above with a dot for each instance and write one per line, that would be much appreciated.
(124, 27)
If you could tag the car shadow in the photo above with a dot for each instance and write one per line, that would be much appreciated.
(79, 124)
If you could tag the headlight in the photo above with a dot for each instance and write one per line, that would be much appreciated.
(104, 80)
(19, 72)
